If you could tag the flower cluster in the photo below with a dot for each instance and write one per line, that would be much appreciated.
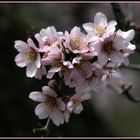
(83, 61)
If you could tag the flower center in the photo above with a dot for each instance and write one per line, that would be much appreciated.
(99, 30)
(74, 43)
(31, 54)
(57, 64)
(108, 47)
(50, 101)
(76, 103)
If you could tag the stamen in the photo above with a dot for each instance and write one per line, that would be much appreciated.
(99, 31)
(108, 47)
(75, 43)
(50, 101)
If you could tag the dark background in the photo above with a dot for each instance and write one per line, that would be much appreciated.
(107, 114)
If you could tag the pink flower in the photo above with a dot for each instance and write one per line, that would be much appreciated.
(76, 41)
(55, 58)
(114, 48)
(74, 105)
(50, 105)
(100, 28)
(76, 76)
(48, 37)
(28, 56)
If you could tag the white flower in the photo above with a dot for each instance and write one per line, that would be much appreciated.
(50, 105)
(28, 56)
(100, 27)
(115, 48)
(48, 37)
(74, 104)
(76, 41)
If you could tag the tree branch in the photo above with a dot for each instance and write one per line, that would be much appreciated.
(132, 66)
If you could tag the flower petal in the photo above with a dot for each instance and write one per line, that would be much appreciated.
(41, 111)
(75, 32)
(37, 96)
(21, 46)
(111, 25)
(52, 71)
(88, 27)
(31, 70)
(102, 58)
(100, 19)
(61, 104)
(20, 60)
(116, 57)
(129, 35)
(66, 116)
(57, 117)
(48, 91)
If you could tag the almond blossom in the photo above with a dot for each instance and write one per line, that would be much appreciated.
(76, 41)
(85, 63)
(49, 106)
(100, 28)
(28, 56)
(114, 48)
(74, 105)
(48, 37)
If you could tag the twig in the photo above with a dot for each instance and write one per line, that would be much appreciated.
(42, 131)
(126, 92)
(132, 66)
(119, 15)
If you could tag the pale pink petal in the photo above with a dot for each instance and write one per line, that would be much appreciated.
(86, 68)
(129, 35)
(40, 72)
(31, 43)
(61, 104)
(57, 117)
(100, 19)
(67, 77)
(37, 36)
(131, 47)
(41, 111)
(51, 31)
(49, 91)
(21, 46)
(31, 70)
(43, 34)
(111, 25)
(78, 109)
(37, 96)
(102, 58)
(76, 60)
(97, 46)
(66, 116)
(38, 61)
(52, 71)
(126, 61)
(75, 32)
(20, 60)
(104, 77)
(119, 43)
(68, 64)
(116, 57)
(70, 106)
(88, 26)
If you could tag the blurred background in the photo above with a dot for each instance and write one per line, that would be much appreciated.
(107, 114)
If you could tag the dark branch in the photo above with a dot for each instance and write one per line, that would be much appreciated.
(126, 92)
(132, 66)
(120, 17)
